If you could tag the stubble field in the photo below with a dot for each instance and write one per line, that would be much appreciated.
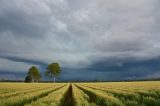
(81, 94)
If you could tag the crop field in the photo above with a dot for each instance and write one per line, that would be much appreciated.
(81, 94)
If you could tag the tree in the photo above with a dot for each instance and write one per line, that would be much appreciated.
(33, 72)
(53, 70)
(28, 79)
(37, 78)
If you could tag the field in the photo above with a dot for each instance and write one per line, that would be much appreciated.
(81, 94)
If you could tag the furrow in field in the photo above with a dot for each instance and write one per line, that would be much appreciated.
(100, 98)
(68, 97)
(143, 92)
(130, 98)
(21, 100)
(130, 93)
(8, 95)
(80, 98)
(52, 99)
(119, 93)
(137, 88)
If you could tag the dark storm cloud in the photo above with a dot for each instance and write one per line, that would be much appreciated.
(127, 69)
(126, 65)
(98, 37)
(29, 61)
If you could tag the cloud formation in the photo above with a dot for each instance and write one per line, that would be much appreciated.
(118, 36)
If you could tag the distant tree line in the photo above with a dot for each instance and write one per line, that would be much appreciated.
(52, 71)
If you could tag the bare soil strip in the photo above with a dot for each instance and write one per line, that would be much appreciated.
(68, 99)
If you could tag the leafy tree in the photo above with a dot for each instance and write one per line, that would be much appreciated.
(28, 79)
(33, 72)
(53, 70)
(38, 77)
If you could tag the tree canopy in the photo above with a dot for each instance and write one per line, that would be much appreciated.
(53, 70)
(33, 72)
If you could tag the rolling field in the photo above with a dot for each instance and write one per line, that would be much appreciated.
(81, 94)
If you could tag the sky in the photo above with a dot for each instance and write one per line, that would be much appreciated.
(90, 39)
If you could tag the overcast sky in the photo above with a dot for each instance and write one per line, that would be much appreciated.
(91, 39)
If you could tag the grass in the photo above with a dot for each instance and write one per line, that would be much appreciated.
(145, 93)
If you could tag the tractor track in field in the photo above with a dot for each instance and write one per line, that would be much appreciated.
(68, 99)
(92, 97)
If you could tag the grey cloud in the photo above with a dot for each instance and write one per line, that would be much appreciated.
(79, 34)
(29, 18)
(29, 61)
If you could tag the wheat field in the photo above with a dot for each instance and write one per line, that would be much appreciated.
(145, 93)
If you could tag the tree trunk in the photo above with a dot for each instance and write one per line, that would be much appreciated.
(54, 79)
